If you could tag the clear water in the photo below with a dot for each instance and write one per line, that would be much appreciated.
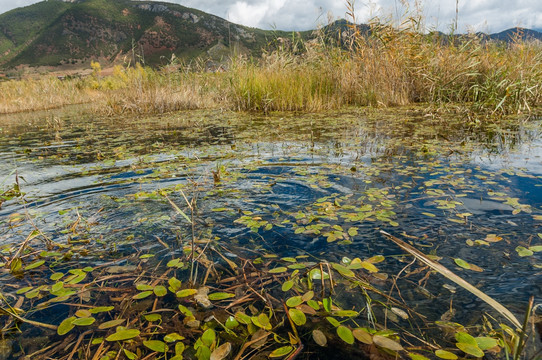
(441, 184)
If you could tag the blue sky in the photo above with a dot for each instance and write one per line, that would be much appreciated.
(474, 15)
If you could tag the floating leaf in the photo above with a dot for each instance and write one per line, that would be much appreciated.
(443, 354)
(399, 312)
(343, 270)
(492, 238)
(23, 290)
(123, 334)
(34, 265)
(221, 352)
(486, 343)
(153, 317)
(415, 356)
(287, 285)
(376, 259)
(298, 317)
(142, 295)
(101, 309)
(84, 321)
(316, 274)
(362, 336)
(130, 355)
(345, 334)
(186, 292)
(231, 323)
(319, 337)
(173, 337)
(160, 291)
(327, 302)
(343, 313)
(144, 287)
(156, 345)
(463, 337)
(177, 263)
(278, 270)
(282, 351)
(313, 304)
(220, 296)
(387, 343)
(56, 276)
(522, 251)
(462, 263)
(243, 318)
(470, 349)
(294, 301)
(174, 284)
(369, 267)
(83, 313)
(333, 321)
(66, 325)
(208, 337)
(111, 323)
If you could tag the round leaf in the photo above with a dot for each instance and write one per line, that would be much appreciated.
(84, 321)
(319, 337)
(123, 335)
(298, 317)
(142, 295)
(387, 343)
(470, 349)
(65, 326)
(415, 356)
(220, 296)
(160, 291)
(186, 292)
(111, 323)
(485, 343)
(221, 352)
(208, 337)
(287, 285)
(156, 345)
(173, 337)
(294, 301)
(282, 351)
(362, 336)
(443, 354)
(345, 334)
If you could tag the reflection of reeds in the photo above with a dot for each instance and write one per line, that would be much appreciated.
(386, 66)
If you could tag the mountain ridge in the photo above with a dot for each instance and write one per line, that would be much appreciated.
(77, 32)
(74, 32)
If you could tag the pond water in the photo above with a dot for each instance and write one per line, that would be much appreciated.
(317, 185)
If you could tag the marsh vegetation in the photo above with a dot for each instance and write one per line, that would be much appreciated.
(372, 198)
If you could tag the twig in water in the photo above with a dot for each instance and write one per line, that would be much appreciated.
(456, 279)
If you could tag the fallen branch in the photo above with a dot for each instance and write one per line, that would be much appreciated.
(455, 278)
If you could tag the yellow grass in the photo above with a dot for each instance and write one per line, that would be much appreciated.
(390, 67)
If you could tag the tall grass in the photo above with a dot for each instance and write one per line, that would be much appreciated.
(388, 66)
(143, 90)
(41, 94)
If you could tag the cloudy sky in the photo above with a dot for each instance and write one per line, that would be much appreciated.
(475, 15)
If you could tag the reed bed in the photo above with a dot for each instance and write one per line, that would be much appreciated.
(387, 66)
(47, 92)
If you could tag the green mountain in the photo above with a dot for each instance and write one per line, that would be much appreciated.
(62, 32)
(57, 32)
